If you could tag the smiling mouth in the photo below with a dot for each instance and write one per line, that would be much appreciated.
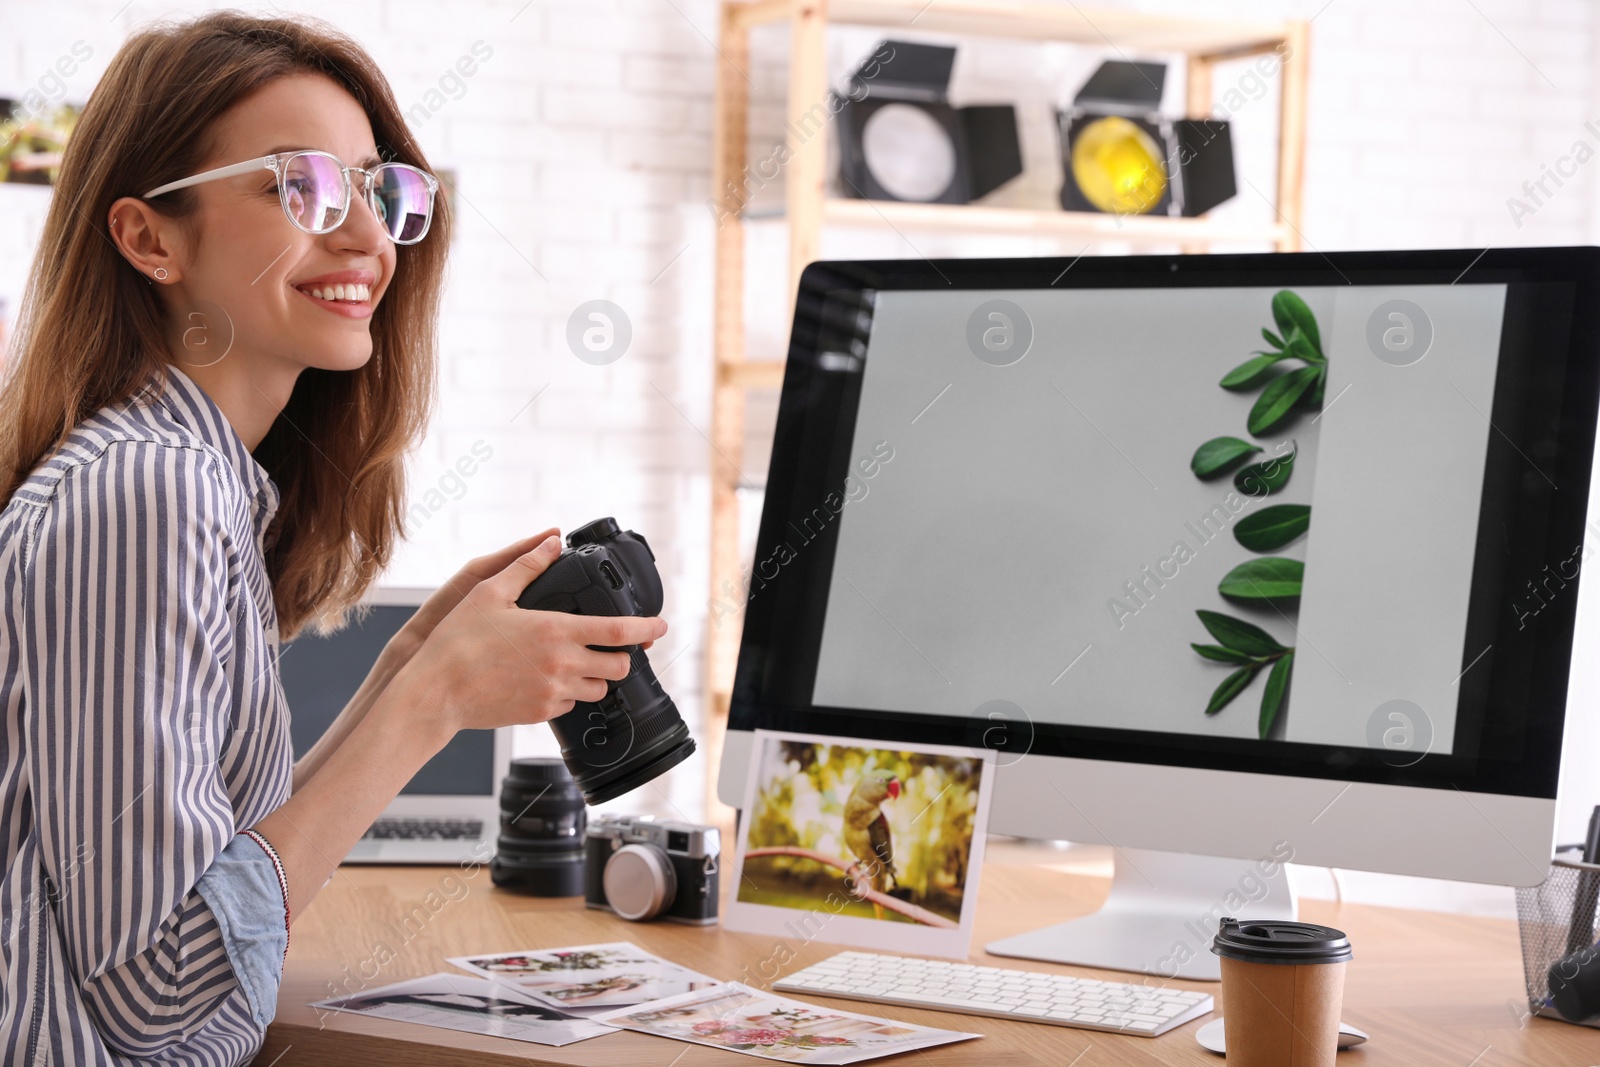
(339, 294)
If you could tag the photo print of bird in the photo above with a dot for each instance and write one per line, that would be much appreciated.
(877, 833)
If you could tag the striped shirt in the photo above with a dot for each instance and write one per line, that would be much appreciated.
(142, 728)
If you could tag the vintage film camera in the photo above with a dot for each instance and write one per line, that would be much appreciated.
(642, 869)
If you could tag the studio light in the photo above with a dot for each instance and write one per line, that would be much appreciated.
(1121, 156)
(899, 138)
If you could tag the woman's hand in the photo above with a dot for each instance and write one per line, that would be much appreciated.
(410, 637)
(488, 663)
(404, 644)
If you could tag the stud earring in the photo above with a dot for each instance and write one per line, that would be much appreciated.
(161, 274)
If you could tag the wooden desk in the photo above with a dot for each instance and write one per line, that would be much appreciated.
(1429, 988)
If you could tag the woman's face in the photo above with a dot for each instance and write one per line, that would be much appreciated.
(246, 278)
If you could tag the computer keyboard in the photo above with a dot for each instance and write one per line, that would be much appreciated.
(391, 829)
(1002, 992)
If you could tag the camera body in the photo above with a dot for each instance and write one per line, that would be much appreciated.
(642, 869)
(634, 732)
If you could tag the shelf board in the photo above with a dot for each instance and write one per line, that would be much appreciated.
(1022, 222)
(752, 374)
(1045, 22)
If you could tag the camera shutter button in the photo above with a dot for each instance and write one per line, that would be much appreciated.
(593, 533)
(639, 882)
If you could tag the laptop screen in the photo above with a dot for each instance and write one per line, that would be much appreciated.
(320, 675)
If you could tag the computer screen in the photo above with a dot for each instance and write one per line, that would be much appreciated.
(1302, 515)
(1075, 599)
(321, 673)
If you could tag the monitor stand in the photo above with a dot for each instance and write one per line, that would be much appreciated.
(1161, 915)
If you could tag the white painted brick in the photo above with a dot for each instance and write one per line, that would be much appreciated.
(657, 30)
(1576, 15)
(1501, 67)
(611, 109)
(608, 185)
(530, 141)
(683, 151)
(567, 65)
(694, 76)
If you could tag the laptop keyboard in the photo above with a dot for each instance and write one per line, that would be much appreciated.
(425, 830)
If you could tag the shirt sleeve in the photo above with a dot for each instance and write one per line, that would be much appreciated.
(165, 914)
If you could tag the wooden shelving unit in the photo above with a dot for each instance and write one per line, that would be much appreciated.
(808, 208)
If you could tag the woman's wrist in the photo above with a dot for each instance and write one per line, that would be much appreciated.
(397, 652)
(412, 701)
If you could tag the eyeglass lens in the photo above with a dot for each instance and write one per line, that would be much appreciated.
(314, 192)
(314, 196)
(403, 202)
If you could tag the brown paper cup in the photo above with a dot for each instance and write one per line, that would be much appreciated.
(1282, 1016)
(1282, 991)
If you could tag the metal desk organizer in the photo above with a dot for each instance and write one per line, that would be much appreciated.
(1556, 921)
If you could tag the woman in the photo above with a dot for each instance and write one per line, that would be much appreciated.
(215, 379)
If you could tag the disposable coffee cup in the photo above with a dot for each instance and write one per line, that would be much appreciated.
(1282, 990)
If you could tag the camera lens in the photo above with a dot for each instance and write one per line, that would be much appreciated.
(640, 882)
(542, 822)
(626, 739)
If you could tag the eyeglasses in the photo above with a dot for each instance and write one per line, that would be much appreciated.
(314, 188)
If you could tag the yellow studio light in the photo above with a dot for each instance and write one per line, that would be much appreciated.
(1118, 166)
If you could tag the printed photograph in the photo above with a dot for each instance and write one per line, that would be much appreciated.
(875, 841)
(608, 976)
(733, 1016)
(33, 136)
(887, 832)
(474, 1005)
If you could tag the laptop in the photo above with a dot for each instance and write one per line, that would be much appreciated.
(449, 812)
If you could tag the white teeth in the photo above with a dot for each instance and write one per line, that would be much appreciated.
(345, 293)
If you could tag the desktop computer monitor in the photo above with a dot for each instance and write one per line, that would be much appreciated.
(1255, 557)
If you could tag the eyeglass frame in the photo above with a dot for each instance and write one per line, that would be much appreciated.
(278, 161)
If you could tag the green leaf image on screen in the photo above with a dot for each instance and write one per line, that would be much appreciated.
(1292, 315)
(1231, 687)
(1223, 655)
(1278, 399)
(1254, 371)
(1277, 689)
(1220, 455)
(1266, 477)
(1272, 527)
(1239, 635)
(1271, 578)
(1252, 650)
(1271, 581)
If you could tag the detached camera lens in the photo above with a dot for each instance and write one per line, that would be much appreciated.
(542, 822)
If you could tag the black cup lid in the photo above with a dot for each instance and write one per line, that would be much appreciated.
(1275, 941)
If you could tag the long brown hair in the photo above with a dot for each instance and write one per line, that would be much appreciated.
(337, 452)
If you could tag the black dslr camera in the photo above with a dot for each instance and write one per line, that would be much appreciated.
(642, 869)
(634, 732)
